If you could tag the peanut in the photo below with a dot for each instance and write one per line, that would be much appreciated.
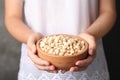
(62, 45)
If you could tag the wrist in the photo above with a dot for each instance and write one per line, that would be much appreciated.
(35, 36)
(87, 35)
(91, 35)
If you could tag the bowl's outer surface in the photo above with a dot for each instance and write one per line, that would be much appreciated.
(62, 62)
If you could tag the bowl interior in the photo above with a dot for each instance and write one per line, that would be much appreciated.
(81, 52)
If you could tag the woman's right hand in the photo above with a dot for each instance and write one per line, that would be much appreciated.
(32, 53)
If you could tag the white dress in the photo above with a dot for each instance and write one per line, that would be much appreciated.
(61, 16)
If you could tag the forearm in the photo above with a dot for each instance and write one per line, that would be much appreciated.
(17, 29)
(14, 20)
(107, 16)
(102, 25)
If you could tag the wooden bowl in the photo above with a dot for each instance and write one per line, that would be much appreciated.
(63, 62)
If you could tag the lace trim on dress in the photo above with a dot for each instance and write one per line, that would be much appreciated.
(84, 76)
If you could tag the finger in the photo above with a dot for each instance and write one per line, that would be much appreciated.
(76, 68)
(85, 62)
(51, 68)
(47, 68)
(36, 59)
(72, 69)
(63, 71)
(92, 48)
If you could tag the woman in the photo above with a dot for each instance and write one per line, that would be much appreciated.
(89, 19)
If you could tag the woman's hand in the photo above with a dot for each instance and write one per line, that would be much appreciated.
(32, 53)
(83, 64)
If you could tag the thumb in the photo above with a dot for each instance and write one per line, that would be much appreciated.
(31, 44)
(92, 48)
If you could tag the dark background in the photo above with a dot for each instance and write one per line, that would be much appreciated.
(112, 47)
(10, 49)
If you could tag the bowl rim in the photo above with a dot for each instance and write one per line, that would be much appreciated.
(52, 55)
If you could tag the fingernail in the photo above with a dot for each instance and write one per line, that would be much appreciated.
(52, 68)
(76, 63)
(72, 70)
(47, 63)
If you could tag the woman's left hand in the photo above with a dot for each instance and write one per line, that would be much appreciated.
(83, 64)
